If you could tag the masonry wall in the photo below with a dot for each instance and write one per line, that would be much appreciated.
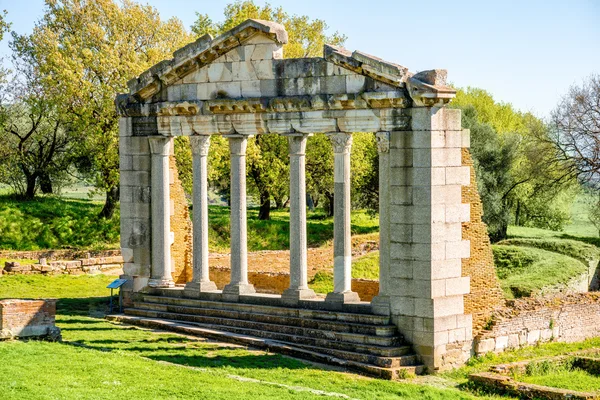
(485, 295)
(71, 267)
(569, 318)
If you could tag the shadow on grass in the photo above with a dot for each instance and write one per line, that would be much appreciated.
(586, 239)
(85, 306)
(254, 361)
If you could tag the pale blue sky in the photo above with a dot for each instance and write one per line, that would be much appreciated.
(525, 52)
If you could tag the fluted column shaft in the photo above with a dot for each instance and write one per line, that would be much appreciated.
(239, 236)
(161, 215)
(298, 289)
(200, 281)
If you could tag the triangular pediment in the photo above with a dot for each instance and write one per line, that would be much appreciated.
(247, 63)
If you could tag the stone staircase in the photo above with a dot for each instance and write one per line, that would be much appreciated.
(364, 343)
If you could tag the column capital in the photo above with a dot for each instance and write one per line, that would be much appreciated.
(160, 145)
(341, 141)
(383, 142)
(297, 143)
(200, 144)
(237, 144)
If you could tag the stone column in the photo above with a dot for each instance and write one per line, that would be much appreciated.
(342, 244)
(239, 242)
(298, 289)
(381, 303)
(161, 213)
(200, 281)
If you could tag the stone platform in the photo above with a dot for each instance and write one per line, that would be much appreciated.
(357, 340)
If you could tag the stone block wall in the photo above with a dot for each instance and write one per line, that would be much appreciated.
(485, 295)
(26, 318)
(427, 287)
(83, 266)
(569, 318)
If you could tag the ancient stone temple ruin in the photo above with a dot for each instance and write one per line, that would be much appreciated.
(239, 85)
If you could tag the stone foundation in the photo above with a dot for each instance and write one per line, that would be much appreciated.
(28, 318)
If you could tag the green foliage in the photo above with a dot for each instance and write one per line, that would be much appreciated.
(85, 52)
(493, 159)
(519, 178)
(524, 271)
(54, 223)
(306, 36)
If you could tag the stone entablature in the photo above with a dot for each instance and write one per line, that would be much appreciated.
(238, 85)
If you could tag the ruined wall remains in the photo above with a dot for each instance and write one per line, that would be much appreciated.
(26, 318)
(181, 226)
(569, 318)
(486, 294)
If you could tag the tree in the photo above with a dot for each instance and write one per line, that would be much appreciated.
(575, 126)
(528, 187)
(85, 52)
(268, 161)
(35, 146)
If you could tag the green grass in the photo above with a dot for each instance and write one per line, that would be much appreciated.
(364, 267)
(99, 360)
(540, 351)
(523, 271)
(22, 261)
(564, 378)
(275, 233)
(54, 223)
(568, 247)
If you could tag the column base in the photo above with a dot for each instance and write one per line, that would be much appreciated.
(208, 286)
(161, 283)
(232, 291)
(380, 305)
(293, 296)
(335, 298)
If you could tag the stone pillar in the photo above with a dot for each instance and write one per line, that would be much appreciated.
(381, 303)
(200, 281)
(342, 243)
(161, 213)
(298, 289)
(426, 247)
(239, 242)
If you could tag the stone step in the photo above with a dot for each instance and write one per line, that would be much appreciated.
(270, 330)
(366, 319)
(311, 323)
(286, 348)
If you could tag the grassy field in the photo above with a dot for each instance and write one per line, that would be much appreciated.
(525, 271)
(99, 359)
(559, 375)
(275, 233)
(55, 223)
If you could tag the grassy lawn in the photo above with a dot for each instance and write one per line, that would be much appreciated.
(523, 271)
(275, 234)
(99, 359)
(55, 223)
(559, 375)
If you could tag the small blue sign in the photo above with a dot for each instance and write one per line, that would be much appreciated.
(116, 284)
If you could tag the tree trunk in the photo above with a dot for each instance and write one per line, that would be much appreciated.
(518, 213)
(264, 213)
(30, 190)
(279, 203)
(329, 204)
(112, 197)
(46, 184)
